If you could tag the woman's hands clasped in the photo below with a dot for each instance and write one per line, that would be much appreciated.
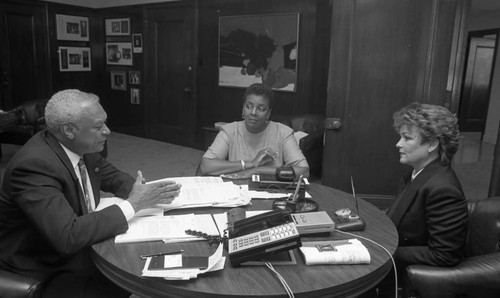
(149, 195)
(264, 156)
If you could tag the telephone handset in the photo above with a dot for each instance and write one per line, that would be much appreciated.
(285, 174)
(261, 235)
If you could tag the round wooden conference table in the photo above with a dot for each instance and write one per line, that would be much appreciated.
(122, 264)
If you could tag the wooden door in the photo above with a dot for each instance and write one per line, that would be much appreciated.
(476, 90)
(24, 66)
(384, 54)
(170, 73)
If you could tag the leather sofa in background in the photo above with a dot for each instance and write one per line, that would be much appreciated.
(476, 276)
(311, 144)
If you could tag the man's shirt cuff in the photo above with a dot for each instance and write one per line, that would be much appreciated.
(127, 209)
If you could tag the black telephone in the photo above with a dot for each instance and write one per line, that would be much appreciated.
(285, 174)
(261, 235)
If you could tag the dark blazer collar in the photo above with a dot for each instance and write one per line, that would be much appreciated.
(406, 197)
(55, 145)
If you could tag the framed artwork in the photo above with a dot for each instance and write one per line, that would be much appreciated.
(119, 53)
(119, 80)
(135, 96)
(137, 43)
(74, 59)
(259, 49)
(72, 28)
(117, 27)
(134, 77)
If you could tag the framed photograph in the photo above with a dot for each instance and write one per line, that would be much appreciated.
(119, 80)
(117, 27)
(74, 59)
(259, 49)
(135, 96)
(119, 53)
(72, 28)
(137, 43)
(134, 77)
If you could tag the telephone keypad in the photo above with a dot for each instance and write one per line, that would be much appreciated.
(263, 237)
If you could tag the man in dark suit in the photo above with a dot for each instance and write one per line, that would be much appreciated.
(49, 196)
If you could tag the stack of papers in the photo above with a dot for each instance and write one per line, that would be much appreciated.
(169, 229)
(206, 192)
(350, 251)
(175, 269)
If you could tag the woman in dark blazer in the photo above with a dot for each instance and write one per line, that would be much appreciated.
(430, 211)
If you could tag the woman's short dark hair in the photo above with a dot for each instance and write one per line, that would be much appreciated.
(261, 90)
(433, 122)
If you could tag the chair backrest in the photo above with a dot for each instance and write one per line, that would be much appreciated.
(483, 235)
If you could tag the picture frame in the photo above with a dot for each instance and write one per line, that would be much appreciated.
(118, 80)
(74, 59)
(117, 27)
(137, 43)
(135, 96)
(134, 77)
(72, 28)
(119, 53)
(259, 49)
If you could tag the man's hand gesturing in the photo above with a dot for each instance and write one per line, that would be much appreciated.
(149, 195)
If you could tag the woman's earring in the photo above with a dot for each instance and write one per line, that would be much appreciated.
(242, 115)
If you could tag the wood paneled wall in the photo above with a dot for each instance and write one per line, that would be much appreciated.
(225, 103)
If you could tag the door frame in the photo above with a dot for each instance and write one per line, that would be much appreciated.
(470, 35)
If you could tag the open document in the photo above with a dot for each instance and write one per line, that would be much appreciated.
(206, 192)
(179, 267)
(169, 229)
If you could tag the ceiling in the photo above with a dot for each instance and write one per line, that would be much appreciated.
(484, 6)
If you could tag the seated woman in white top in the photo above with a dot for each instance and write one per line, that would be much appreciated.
(254, 145)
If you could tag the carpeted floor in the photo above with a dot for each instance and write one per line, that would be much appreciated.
(159, 160)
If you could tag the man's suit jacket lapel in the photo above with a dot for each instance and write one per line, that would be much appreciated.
(59, 151)
(409, 193)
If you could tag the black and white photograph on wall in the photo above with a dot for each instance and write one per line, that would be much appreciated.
(118, 80)
(74, 59)
(135, 96)
(119, 53)
(259, 49)
(137, 43)
(134, 77)
(73, 28)
(117, 27)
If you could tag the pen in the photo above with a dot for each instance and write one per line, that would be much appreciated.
(162, 254)
(295, 195)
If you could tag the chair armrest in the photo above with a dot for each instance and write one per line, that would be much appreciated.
(311, 141)
(474, 277)
(14, 285)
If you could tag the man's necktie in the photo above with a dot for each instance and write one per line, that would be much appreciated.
(83, 175)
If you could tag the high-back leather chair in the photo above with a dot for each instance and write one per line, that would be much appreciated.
(478, 275)
(29, 120)
(312, 144)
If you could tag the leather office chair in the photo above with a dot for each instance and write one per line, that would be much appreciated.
(476, 276)
(25, 121)
(16, 286)
(312, 144)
